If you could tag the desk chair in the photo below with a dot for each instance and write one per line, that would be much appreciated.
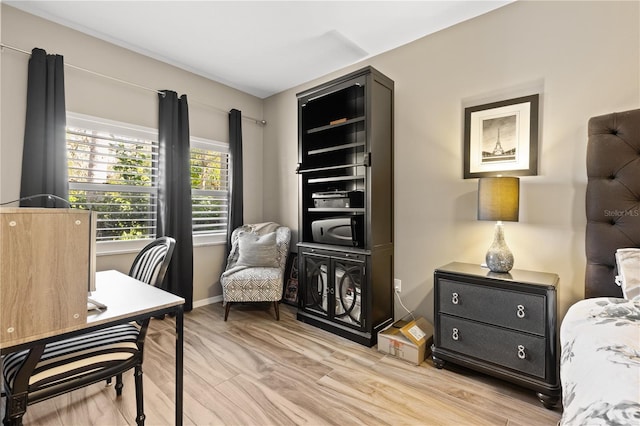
(62, 366)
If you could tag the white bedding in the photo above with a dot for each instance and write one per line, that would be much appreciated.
(600, 362)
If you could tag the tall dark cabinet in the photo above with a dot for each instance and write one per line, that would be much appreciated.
(345, 169)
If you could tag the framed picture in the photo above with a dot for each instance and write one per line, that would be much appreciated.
(290, 290)
(501, 138)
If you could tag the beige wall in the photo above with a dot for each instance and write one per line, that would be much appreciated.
(582, 57)
(97, 96)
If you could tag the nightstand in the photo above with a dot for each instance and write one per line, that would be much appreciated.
(501, 324)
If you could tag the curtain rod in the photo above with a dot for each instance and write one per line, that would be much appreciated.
(256, 120)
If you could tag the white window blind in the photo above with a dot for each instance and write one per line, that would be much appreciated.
(209, 186)
(113, 170)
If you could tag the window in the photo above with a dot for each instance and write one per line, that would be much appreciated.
(209, 187)
(113, 170)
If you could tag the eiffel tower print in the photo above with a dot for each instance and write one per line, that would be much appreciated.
(498, 148)
(498, 153)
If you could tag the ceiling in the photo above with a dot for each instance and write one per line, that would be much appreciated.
(259, 47)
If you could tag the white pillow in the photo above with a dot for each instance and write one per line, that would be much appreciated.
(628, 263)
(257, 250)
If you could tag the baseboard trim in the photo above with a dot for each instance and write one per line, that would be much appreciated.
(208, 301)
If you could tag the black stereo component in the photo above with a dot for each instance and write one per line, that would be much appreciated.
(344, 231)
(331, 199)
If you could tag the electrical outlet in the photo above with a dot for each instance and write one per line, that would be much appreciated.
(397, 284)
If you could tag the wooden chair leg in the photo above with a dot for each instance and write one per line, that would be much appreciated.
(275, 305)
(139, 396)
(226, 310)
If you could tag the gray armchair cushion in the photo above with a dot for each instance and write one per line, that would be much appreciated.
(257, 250)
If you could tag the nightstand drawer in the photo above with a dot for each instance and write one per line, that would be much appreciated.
(491, 305)
(522, 352)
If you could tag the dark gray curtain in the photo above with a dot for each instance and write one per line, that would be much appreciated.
(44, 155)
(174, 193)
(235, 209)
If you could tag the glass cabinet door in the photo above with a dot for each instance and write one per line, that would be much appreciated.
(316, 288)
(348, 277)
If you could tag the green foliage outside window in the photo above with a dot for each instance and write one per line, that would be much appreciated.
(94, 161)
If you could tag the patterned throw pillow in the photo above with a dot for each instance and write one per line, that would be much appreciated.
(628, 263)
(257, 250)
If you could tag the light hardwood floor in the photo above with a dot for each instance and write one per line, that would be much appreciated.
(253, 370)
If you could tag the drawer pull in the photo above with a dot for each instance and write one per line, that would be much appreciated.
(454, 298)
(521, 353)
(520, 312)
(454, 334)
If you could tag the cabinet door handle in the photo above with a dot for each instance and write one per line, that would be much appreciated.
(521, 352)
(454, 298)
(520, 312)
(454, 334)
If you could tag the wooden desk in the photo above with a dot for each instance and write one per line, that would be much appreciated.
(127, 300)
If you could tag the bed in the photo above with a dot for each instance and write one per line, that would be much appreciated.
(600, 335)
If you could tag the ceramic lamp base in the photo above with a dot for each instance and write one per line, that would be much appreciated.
(499, 258)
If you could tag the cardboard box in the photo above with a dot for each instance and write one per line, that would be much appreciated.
(408, 341)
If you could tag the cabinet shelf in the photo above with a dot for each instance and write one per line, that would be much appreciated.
(339, 166)
(335, 148)
(357, 210)
(334, 126)
(335, 179)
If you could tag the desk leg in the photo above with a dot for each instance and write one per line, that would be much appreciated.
(179, 367)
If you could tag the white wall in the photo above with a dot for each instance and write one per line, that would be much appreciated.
(582, 57)
(101, 97)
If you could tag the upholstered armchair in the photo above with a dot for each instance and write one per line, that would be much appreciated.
(255, 266)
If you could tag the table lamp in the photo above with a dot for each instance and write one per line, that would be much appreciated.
(498, 200)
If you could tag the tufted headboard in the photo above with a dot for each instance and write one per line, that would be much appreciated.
(613, 197)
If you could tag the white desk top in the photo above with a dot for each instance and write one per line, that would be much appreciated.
(125, 298)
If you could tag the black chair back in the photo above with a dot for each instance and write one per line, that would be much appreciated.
(151, 264)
